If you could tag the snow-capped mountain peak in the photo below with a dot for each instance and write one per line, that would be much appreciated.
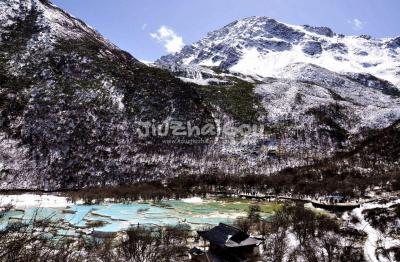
(262, 46)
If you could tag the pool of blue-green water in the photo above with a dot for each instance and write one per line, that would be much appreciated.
(114, 217)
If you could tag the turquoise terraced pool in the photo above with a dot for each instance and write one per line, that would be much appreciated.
(114, 217)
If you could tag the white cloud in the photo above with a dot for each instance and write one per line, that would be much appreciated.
(357, 24)
(172, 42)
(144, 26)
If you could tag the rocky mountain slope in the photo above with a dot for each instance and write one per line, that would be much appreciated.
(299, 74)
(70, 102)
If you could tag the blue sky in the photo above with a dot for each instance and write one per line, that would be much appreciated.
(134, 25)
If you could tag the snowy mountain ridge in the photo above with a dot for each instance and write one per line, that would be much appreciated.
(261, 46)
(52, 23)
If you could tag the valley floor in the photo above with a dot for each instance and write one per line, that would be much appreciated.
(375, 224)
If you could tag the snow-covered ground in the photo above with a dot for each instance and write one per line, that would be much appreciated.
(193, 200)
(375, 238)
(34, 200)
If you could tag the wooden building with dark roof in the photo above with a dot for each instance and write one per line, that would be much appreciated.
(227, 243)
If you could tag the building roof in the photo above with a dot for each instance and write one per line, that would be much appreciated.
(228, 236)
(247, 242)
(196, 252)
